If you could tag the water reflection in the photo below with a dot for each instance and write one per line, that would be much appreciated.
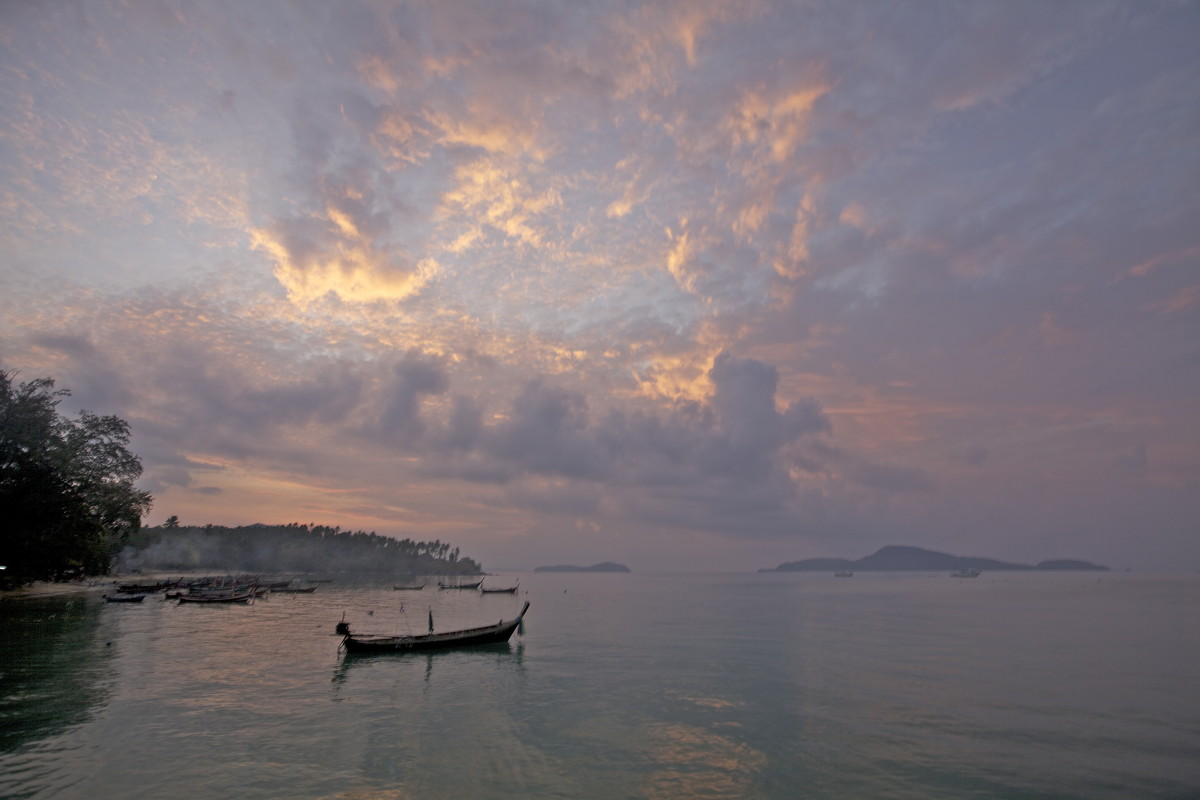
(691, 761)
(56, 666)
(501, 653)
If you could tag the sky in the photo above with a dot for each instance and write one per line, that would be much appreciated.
(681, 285)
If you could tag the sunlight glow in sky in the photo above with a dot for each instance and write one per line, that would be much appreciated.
(674, 284)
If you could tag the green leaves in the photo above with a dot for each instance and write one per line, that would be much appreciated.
(66, 486)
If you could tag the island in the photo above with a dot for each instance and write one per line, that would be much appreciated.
(607, 566)
(899, 558)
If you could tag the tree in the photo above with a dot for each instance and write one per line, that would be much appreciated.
(66, 486)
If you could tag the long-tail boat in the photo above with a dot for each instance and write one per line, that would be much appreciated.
(126, 598)
(474, 585)
(236, 596)
(499, 633)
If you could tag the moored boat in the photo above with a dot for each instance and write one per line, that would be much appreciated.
(126, 598)
(296, 586)
(415, 587)
(844, 573)
(474, 585)
(506, 590)
(237, 596)
(146, 588)
(969, 572)
(499, 633)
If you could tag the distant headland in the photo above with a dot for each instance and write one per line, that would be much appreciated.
(897, 558)
(607, 566)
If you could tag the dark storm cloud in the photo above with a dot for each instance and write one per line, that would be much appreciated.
(548, 432)
(96, 383)
(415, 377)
(703, 465)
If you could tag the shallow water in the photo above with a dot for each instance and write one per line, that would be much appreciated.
(624, 685)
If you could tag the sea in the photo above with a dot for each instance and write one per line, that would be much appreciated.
(622, 685)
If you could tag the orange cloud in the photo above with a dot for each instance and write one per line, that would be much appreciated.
(1171, 257)
(488, 193)
(349, 266)
(779, 123)
(1182, 300)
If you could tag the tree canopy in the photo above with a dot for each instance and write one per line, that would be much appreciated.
(67, 489)
(292, 547)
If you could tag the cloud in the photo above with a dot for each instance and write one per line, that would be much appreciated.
(771, 271)
(889, 477)
(416, 377)
(547, 432)
(975, 455)
(1133, 462)
(347, 250)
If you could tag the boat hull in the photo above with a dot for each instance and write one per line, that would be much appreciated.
(236, 598)
(133, 598)
(489, 634)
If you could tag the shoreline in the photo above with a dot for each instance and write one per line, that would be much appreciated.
(52, 589)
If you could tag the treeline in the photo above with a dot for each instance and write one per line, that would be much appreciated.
(294, 547)
(68, 498)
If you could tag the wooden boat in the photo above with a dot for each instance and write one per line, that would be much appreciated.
(507, 590)
(146, 588)
(296, 586)
(238, 596)
(499, 633)
(416, 587)
(126, 598)
(474, 585)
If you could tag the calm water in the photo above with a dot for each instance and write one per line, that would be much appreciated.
(624, 686)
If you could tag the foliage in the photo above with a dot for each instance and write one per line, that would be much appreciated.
(293, 547)
(67, 489)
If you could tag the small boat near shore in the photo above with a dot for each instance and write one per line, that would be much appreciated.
(146, 588)
(969, 572)
(844, 573)
(507, 590)
(126, 598)
(416, 587)
(236, 596)
(474, 585)
(499, 633)
(296, 586)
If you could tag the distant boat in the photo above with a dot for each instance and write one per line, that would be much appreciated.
(295, 586)
(415, 587)
(474, 585)
(126, 598)
(969, 572)
(507, 590)
(844, 573)
(236, 596)
(499, 633)
(146, 588)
